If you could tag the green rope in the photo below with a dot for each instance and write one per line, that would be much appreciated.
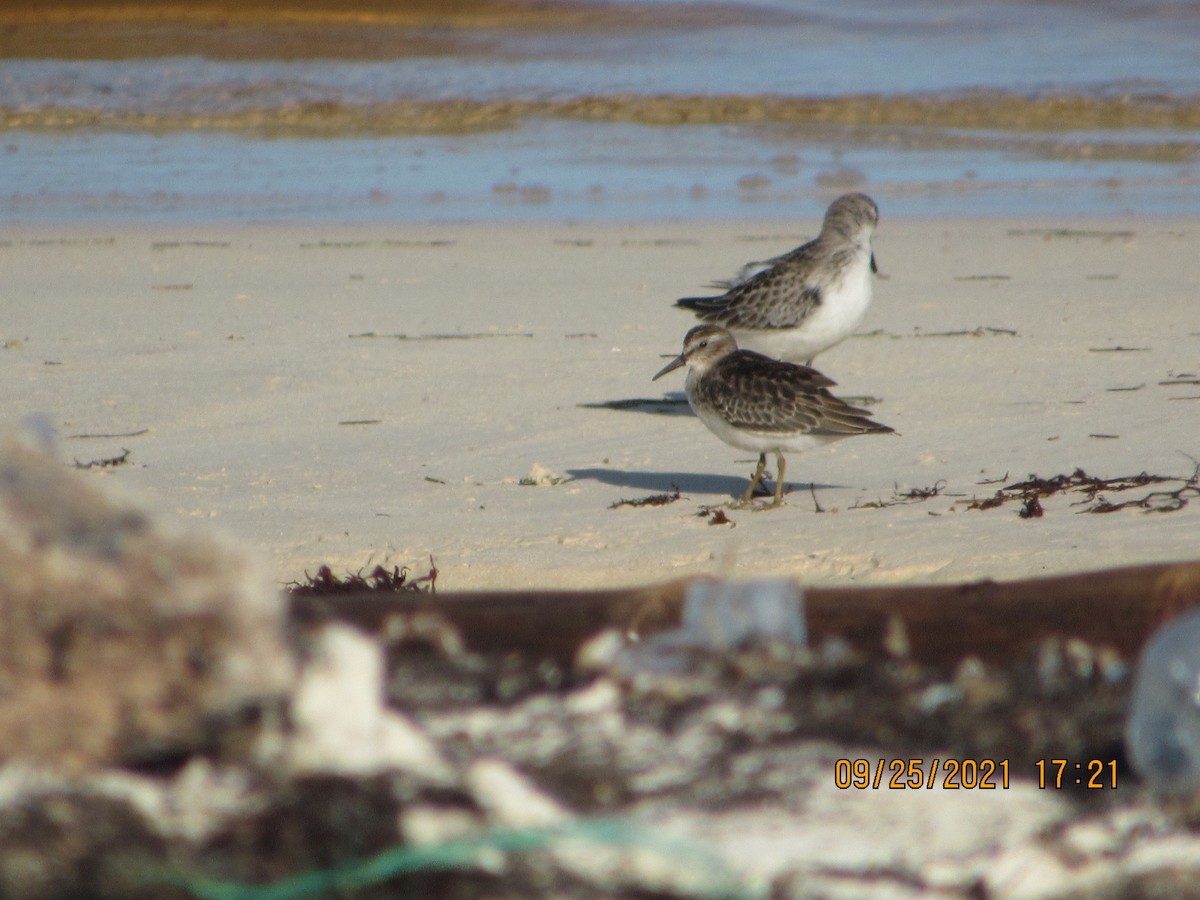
(457, 855)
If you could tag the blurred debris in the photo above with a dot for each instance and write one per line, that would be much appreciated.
(173, 726)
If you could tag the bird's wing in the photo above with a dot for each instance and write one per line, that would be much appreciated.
(780, 297)
(761, 394)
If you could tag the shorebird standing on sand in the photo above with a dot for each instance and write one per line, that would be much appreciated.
(809, 299)
(753, 402)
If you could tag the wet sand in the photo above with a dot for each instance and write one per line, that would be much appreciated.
(481, 395)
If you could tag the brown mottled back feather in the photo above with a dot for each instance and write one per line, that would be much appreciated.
(757, 393)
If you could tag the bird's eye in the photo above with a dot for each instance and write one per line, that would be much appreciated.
(704, 343)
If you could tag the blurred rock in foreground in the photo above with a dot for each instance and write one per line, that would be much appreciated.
(123, 641)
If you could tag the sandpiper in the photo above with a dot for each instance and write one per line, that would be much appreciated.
(753, 402)
(808, 299)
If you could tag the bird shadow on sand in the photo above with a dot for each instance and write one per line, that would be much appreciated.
(691, 483)
(674, 403)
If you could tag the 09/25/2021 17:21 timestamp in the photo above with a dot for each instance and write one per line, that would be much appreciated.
(970, 774)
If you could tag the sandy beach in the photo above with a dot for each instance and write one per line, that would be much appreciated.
(379, 394)
(384, 283)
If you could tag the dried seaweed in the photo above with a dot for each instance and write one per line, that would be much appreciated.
(1030, 492)
(378, 579)
(173, 245)
(106, 462)
(716, 516)
(120, 434)
(1155, 501)
(1031, 508)
(977, 331)
(652, 500)
(899, 498)
(471, 336)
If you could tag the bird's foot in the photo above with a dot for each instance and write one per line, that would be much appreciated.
(763, 507)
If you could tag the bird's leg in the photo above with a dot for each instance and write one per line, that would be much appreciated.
(779, 480)
(758, 476)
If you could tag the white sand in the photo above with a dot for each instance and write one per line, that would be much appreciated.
(237, 358)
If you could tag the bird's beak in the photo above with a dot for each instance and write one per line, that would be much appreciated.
(671, 367)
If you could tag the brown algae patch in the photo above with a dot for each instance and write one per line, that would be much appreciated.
(324, 29)
(1012, 122)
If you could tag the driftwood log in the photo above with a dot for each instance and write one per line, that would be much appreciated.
(940, 624)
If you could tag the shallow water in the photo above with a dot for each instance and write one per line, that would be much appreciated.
(548, 170)
(973, 108)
